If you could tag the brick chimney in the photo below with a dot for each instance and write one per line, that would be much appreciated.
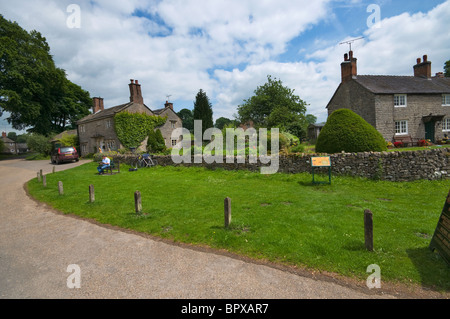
(423, 69)
(135, 92)
(170, 105)
(3, 134)
(440, 75)
(97, 104)
(348, 67)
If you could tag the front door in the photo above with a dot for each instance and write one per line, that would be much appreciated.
(429, 131)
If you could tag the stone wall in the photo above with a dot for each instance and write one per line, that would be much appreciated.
(391, 166)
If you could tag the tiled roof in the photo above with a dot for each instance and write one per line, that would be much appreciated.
(383, 84)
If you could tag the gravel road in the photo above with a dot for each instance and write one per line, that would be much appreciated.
(38, 244)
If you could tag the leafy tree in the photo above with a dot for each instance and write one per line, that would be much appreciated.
(221, 122)
(203, 110)
(12, 136)
(39, 143)
(2, 146)
(187, 116)
(33, 90)
(447, 69)
(22, 138)
(347, 131)
(273, 105)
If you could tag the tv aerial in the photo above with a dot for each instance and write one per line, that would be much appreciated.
(168, 97)
(349, 42)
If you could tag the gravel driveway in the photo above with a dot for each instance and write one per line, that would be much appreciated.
(37, 245)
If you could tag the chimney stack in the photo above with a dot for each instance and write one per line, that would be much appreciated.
(423, 69)
(348, 67)
(97, 105)
(135, 92)
(3, 134)
(170, 105)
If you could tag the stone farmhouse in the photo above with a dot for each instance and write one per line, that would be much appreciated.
(96, 131)
(401, 108)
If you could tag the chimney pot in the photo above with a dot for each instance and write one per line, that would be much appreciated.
(346, 57)
(425, 58)
(3, 134)
(423, 69)
(131, 80)
(419, 61)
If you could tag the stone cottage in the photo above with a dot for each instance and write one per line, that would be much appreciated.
(406, 108)
(96, 131)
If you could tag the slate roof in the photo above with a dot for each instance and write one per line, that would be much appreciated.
(385, 84)
(105, 113)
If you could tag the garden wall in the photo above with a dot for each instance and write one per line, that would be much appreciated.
(430, 164)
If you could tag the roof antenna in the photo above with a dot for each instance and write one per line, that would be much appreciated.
(349, 42)
(168, 96)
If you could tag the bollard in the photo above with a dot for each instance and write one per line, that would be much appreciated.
(44, 180)
(60, 188)
(40, 173)
(227, 211)
(38, 177)
(91, 193)
(54, 170)
(137, 202)
(368, 229)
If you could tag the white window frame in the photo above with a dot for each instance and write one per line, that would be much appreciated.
(82, 128)
(445, 99)
(446, 125)
(108, 123)
(403, 129)
(174, 142)
(398, 100)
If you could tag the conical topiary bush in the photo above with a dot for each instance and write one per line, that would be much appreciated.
(347, 131)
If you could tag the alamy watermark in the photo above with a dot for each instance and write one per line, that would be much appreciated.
(374, 20)
(239, 145)
(374, 280)
(73, 21)
(74, 279)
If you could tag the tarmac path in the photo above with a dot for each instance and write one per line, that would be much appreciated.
(38, 244)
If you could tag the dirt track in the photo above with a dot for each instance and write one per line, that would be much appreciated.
(38, 244)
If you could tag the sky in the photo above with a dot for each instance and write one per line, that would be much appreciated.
(227, 48)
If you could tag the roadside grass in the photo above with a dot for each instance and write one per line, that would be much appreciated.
(281, 218)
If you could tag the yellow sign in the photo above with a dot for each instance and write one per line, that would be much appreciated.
(324, 161)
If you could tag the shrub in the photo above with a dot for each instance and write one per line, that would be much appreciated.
(155, 142)
(347, 131)
(40, 144)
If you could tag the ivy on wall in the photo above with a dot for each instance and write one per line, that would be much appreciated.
(133, 128)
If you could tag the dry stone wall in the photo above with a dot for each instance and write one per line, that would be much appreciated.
(432, 164)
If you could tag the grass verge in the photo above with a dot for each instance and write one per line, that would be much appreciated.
(281, 218)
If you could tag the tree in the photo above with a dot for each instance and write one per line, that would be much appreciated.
(347, 131)
(273, 105)
(39, 143)
(155, 142)
(33, 90)
(187, 116)
(221, 122)
(203, 110)
(12, 136)
(447, 69)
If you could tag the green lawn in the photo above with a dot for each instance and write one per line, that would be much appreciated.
(280, 217)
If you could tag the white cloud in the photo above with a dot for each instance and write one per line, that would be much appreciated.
(225, 47)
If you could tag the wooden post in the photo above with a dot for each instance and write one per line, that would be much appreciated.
(38, 177)
(60, 188)
(368, 229)
(137, 202)
(91, 193)
(54, 169)
(118, 166)
(44, 180)
(227, 211)
(40, 173)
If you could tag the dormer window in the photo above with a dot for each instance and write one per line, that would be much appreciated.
(400, 100)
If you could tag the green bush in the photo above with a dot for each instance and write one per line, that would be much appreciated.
(347, 131)
(155, 142)
(39, 144)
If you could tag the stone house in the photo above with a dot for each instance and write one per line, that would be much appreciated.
(314, 130)
(96, 131)
(9, 146)
(399, 107)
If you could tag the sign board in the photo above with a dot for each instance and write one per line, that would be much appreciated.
(321, 161)
(440, 240)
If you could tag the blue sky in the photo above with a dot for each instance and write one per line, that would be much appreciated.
(228, 47)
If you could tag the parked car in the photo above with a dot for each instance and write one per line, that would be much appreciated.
(64, 154)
